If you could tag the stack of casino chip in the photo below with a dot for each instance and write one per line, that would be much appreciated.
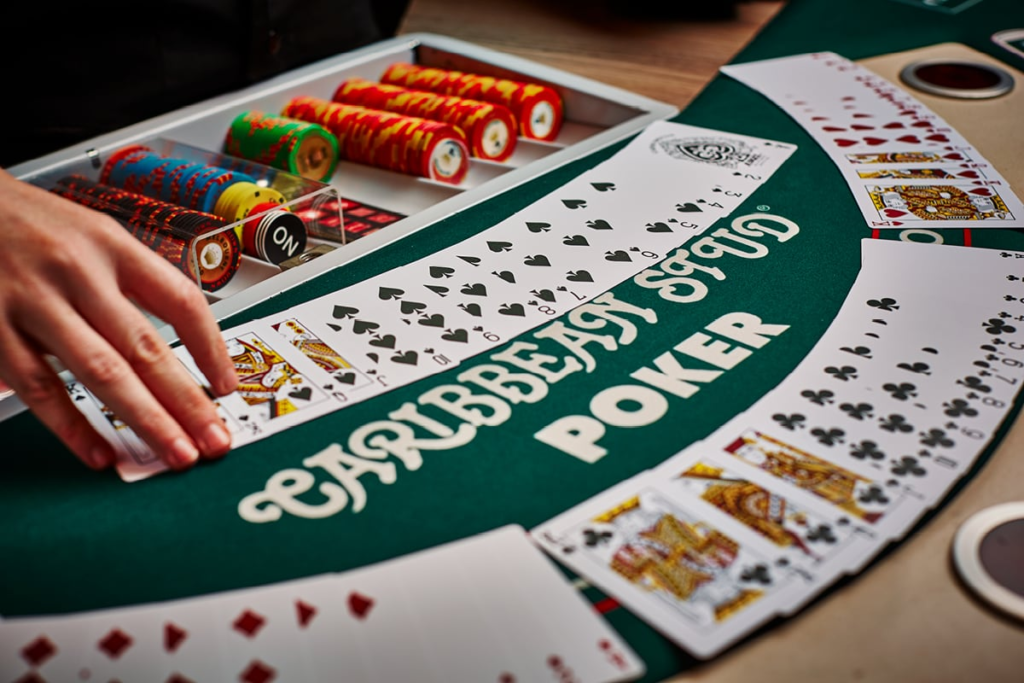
(489, 127)
(538, 108)
(272, 234)
(300, 147)
(396, 142)
(231, 195)
(173, 232)
(191, 184)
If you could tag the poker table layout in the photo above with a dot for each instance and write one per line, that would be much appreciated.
(76, 540)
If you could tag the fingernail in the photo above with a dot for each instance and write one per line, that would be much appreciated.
(100, 457)
(215, 439)
(183, 454)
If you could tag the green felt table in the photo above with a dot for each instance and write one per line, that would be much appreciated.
(76, 540)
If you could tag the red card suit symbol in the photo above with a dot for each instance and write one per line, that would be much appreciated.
(833, 129)
(874, 141)
(819, 118)
(359, 605)
(115, 643)
(173, 636)
(38, 651)
(953, 157)
(258, 672)
(893, 213)
(937, 137)
(842, 142)
(849, 98)
(922, 124)
(909, 138)
(248, 623)
(894, 124)
(968, 174)
(861, 116)
(862, 126)
(981, 192)
(305, 613)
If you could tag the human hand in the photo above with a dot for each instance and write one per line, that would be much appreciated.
(72, 282)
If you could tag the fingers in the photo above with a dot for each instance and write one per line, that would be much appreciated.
(43, 393)
(172, 297)
(109, 375)
(135, 339)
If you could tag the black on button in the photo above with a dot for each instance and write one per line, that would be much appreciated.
(957, 79)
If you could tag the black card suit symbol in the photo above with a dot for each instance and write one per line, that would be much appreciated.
(758, 573)
(579, 276)
(346, 377)
(575, 241)
(302, 394)
(594, 538)
(929, 349)
(406, 357)
(459, 335)
(438, 272)
(344, 311)
(688, 207)
(538, 227)
(617, 255)
(336, 328)
(901, 391)
(363, 326)
(512, 309)
(919, 368)
(908, 465)
(475, 289)
(538, 260)
(387, 341)
(857, 351)
(895, 423)
(386, 293)
(603, 187)
(959, 408)
(545, 294)
(792, 421)
(471, 260)
(498, 247)
(409, 307)
(844, 373)
(821, 398)
(883, 304)
(658, 227)
(975, 384)
(873, 494)
(435, 320)
(599, 224)
(936, 437)
(472, 309)
(438, 289)
(857, 411)
(505, 275)
(575, 203)
(828, 437)
(866, 450)
(374, 357)
(822, 532)
(997, 326)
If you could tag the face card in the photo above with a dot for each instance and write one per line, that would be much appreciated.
(701, 586)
